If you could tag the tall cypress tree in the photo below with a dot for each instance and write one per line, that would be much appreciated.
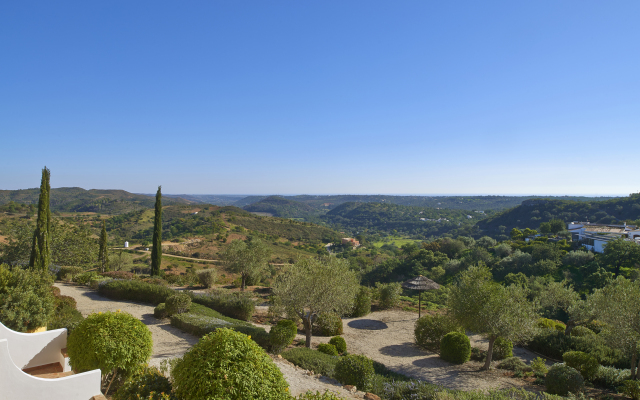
(41, 245)
(103, 254)
(156, 251)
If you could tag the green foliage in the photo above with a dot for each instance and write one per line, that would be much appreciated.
(114, 342)
(584, 363)
(339, 343)
(312, 360)
(327, 395)
(502, 348)
(551, 324)
(562, 380)
(328, 348)
(514, 364)
(65, 314)
(388, 295)
(611, 377)
(67, 273)
(356, 370)
(249, 259)
(160, 312)
(539, 365)
(136, 291)
(282, 335)
(177, 304)
(85, 278)
(146, 384)
(256, 333)
(632, 389)
(430, 329)
(156, 246)
(234, 305)
(228, 365)
(26, 300)
(201, 320)
(455, 347)
(362, 303)
(103, 252)
(580, 331)
(328, 324)
(208, 277)
(41, 245)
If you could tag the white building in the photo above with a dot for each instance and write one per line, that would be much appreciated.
(595, 236)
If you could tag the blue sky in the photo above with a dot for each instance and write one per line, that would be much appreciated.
(291, 97)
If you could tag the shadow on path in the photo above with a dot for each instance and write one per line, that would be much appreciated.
(369, 324)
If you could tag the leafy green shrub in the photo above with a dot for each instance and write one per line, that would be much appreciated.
(328, 324)
(580, 331)
(177, 304)
(632, 389)
(228, 365)
(85, 277)
(67, 273)
(201, 320)
(584, 363)
(117, 343)
(154, 280)
(26, 299)
(562, 379)
(119, 275)
(208, 277)
(255, 333)
(611, 377)
(327, 395)
(147, 384)
(502, 348)
(455, 347)
(339, 343)
(430, 329)
(136, 291)
(362, 303)
(328, 348)
(388, 294)
(95, 282)
(160, 312)
(539, 365)
(65, 314)
(234, 305)
(514, 364)
(478, 354)
(282, 335)
(551, 324)
(356, 370)
(312, 360)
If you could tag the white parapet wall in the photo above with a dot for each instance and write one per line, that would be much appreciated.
(17, 385)
(34, 349)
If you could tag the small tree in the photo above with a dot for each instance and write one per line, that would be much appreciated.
(103, 253)
(314, 286)
(481, 305)
(620, 254)
(156, 250)
(246, 259)
(41, 244)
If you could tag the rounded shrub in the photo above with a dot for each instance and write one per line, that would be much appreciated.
(502, 348)
(562, 380)
(551, 324)
(389, 295)
(328, 324)
(282, 335)
(328, 348)
(362, 303)
(581, 331)
(355, 370)
(339, 343)
(160, 312)
(227, 364)
(147, 384)
(430, 329)
(584, 363)
(178, 303)
(455, 347)
(114, 342)
(26, 299)
(208, 277)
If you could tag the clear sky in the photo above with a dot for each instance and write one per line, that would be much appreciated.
(292, 97)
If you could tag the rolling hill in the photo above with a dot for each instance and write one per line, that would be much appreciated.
(279, 206)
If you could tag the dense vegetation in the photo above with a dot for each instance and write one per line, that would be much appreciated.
(279, 206)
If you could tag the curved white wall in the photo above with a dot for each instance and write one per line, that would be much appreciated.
(33, 349)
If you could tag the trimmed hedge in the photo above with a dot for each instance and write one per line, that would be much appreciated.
(562, 379)
(340, 343)
(282, 335)
(178, 303)
(328, 348)
(160, 312)
(135, 291)
(234, 305)
(584, 363)
(356, 370)
(312, 360)
(430, 329)
(362, 303)
(126, 275)
(147, 384)
(455, 348)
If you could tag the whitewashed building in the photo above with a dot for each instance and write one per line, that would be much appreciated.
(596, 236)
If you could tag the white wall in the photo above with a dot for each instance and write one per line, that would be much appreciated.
(33, 349)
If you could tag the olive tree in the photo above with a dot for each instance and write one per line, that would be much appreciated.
(483, 306)
(314, 286)
(247, 259)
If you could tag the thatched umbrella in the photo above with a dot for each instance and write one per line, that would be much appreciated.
(421, 283)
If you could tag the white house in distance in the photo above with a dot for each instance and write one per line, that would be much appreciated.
(595, 236)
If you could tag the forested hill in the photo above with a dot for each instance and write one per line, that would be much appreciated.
(279, 206)
(531, 213)
(75, 199)
(385, 217)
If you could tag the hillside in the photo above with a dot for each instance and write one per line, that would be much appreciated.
(533, 212)
(279, 206)
(384, 217)
(76, 199)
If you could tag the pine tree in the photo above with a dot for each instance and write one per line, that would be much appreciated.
(156, 251)
(41, 246)
(103, 254)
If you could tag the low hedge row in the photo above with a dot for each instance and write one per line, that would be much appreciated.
(312, 360)
(234, 305)
(135, 290)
